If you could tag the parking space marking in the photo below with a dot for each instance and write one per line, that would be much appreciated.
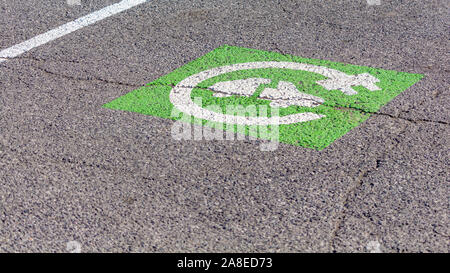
(304, 102)
(67, 28)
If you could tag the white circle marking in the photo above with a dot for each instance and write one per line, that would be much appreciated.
(180, 95)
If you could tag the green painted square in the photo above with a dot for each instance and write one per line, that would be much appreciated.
(342, 112)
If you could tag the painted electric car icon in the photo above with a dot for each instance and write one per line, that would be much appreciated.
(331, 100)
(283, 96)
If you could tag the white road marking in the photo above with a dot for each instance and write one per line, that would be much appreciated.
(244, 87)
(67, 28)
(180, 95)
(345, 83)
(286, 94)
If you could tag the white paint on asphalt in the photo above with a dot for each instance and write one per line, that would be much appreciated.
(180, 95)
(286, 94)
(67, 28)
(244, 87)
(345, 83)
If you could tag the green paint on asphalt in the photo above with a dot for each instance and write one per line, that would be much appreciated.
(342, 112)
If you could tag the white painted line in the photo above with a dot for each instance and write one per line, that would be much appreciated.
(67, 28)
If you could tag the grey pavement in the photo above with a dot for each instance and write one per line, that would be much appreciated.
(116, 181)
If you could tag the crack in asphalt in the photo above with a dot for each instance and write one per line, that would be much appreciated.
(72, 77)
(352, 192)
(441, 234)
(391, 116)
(87, 79)
(225, 93)
(342, 213)
(327, 105)
(31, 58)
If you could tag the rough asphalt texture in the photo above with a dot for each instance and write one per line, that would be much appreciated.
(116, 181)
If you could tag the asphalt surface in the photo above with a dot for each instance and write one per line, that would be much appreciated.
(116, 181)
